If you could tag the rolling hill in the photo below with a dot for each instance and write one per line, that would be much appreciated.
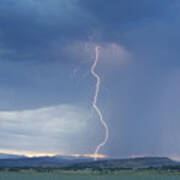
(83, 163)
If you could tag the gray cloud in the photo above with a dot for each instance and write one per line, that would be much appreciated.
(35, 27)
(31, 30)
(48, 129)
(44, 61)
(120, 12)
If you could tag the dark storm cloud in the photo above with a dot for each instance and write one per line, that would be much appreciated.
(117, 16)
(118, 12)
(39, 37)
(30, 30)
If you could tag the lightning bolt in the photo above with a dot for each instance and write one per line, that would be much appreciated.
(94, 104)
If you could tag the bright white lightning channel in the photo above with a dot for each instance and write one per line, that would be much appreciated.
(94, 104)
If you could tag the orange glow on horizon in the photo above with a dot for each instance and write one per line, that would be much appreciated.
(27, 153)
(36, 154)
(99, 156)
(139, 156)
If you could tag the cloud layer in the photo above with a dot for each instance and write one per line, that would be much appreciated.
(31, 30)
(46, 50)
(49, 129)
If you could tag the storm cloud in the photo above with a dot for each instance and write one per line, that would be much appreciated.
(46, 50)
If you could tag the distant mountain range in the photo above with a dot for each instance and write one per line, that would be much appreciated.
(8, 160)
(128, 163)
(10, 156)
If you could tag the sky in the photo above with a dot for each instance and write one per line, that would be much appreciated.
(46, 88)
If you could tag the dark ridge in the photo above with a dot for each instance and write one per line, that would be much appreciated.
(76, 163)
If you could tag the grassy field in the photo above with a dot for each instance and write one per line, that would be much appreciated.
(20, 176)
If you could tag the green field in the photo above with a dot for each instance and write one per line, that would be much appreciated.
(16, 176)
